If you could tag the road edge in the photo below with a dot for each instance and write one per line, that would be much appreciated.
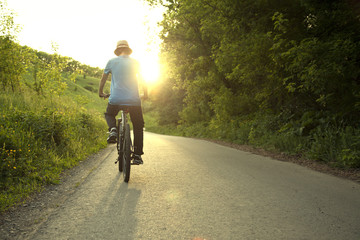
(349, 174)
(23, 220)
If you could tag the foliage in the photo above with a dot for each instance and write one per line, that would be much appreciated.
(273, 74)
(47, 69)
(45, 126)
(50, 71)
(11, 55)
(41, 138)
(48, 74)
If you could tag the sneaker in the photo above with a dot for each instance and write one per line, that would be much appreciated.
(112, 136)
(137, 159)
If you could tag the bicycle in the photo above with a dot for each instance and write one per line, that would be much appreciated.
(124, 145)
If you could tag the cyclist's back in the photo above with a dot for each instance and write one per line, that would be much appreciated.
(124, 85)
(123, 92)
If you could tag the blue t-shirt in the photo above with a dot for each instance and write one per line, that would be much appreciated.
(124, 85)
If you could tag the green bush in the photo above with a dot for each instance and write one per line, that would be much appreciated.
(44, 126)
(313, 135)
(337, 145)
(41, 138)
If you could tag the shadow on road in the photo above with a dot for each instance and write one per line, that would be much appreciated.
(114, 217)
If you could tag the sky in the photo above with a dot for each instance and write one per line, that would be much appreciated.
(87, 31)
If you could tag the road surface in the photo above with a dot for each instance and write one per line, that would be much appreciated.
(195, 189)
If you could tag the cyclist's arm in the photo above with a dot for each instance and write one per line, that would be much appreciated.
(102, 84)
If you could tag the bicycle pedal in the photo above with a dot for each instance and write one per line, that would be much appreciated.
(136, 163)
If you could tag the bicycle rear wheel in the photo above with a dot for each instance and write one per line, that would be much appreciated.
(127, 154)
(119, 145)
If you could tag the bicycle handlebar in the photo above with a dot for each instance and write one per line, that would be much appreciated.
(142, 96)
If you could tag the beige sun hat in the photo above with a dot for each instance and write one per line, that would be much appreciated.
(121, 45)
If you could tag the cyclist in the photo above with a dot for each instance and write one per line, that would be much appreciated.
(124, 92)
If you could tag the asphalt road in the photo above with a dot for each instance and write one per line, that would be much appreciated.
(194, 189)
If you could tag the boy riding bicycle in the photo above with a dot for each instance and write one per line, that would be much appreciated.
(124, 93)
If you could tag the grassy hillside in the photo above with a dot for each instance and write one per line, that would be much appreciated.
(42, 135)
(49, 120)
(85, 92)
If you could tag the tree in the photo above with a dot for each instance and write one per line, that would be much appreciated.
(12, 57)
(236, 57)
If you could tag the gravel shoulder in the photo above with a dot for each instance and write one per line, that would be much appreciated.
(20, 221)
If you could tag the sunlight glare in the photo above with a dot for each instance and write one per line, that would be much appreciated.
(150, 69)
(88, 39)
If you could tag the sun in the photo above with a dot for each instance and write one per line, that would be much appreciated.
(150, 69)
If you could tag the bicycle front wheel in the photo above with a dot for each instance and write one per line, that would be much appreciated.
(127, 154)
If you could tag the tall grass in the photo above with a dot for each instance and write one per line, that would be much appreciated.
(335, 144)
(85, 92)
(40, 137)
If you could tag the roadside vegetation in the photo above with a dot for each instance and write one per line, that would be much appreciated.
(50, 116)
(279, 75)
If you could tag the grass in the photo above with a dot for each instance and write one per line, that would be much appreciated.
(334, 144)
(42, 135)
(85, 93)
